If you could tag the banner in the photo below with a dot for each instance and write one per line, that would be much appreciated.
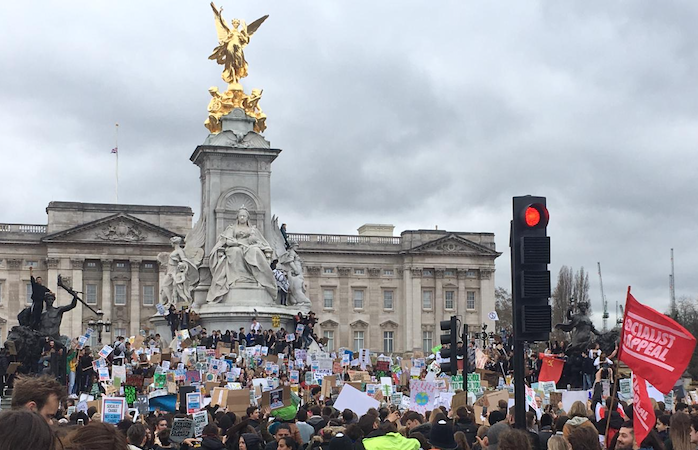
(643, 413)
(551, 368)
(654, 346)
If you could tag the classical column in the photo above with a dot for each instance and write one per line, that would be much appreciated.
(76, 329)
(439, 299)
(136, 302)
(487, 300)
(344, 308)
(15, 292)
(106, 296)
(406, 306)
(416, 304)
(62, 297)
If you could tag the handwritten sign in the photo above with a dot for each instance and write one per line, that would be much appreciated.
(181, 429)
(113, 409)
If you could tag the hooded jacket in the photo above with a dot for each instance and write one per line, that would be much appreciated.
(391, 441)
(576, 422)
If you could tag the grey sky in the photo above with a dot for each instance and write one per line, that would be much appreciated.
(411, 113)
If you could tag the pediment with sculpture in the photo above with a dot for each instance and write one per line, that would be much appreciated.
(453, 244)
(116, 229)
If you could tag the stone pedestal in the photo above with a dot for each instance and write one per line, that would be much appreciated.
(235, 171)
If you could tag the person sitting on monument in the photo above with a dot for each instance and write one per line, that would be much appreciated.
(39, 292)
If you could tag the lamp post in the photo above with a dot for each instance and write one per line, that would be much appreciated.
(100, 325)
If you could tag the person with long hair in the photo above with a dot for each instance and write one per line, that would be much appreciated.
(22, 428)
(679, 433)
(465, 421)
(558, 443)
(461, 440)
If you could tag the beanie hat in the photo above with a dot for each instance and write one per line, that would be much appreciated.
(341, 442)
(252, 440)
(495, 417)
(441, 436)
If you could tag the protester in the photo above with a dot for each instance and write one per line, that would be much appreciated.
(41, 394)
(96, 436)
(24, 429)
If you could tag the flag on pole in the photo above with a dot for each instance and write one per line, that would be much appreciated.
(115, 150)
(643, 412)
(654, 346)
(551, 368)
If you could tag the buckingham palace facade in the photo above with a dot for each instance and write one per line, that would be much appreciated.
(371, 290)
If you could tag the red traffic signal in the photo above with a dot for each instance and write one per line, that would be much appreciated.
(536, 216)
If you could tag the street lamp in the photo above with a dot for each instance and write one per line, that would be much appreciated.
(99, 325)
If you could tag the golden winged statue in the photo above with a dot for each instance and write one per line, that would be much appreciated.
(232, 41)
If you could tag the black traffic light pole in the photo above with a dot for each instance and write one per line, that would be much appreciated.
(530, 287)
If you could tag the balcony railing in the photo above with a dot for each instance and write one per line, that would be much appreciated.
(22, 228)
(343, 239)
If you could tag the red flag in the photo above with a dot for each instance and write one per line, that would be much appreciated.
(643, 413)
(551, 368)
(654, 346)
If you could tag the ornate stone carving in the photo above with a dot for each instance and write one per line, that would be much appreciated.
(344, 271)
(77, 263)
(121, 231)
(107, 264)
(416, 272)
(439, 273)
(462, 273)
(314, 270)
(135, 264)
(238, 200)
(486, 274)
(53, 263)
(14, 263)
(399, 272)
(358, 324)
(389, 324)
(374, 272)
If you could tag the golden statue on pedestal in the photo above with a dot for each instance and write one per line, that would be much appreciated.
(230, 53)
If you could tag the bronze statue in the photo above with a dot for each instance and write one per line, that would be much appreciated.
(581, 327)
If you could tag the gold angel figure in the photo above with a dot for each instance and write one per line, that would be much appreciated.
(232, 41)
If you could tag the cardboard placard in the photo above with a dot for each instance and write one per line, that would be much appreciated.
(358, 385)
(156, 358)
(237, 401)
(277, 398)
(12, 368)
(458, 400)
(492, 398)
(209, 386)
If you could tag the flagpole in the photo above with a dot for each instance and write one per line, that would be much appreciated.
(613, 395)
(116, 142)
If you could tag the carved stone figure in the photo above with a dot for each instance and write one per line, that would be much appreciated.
(291, 263)
(122, 231)
(581, 327)
(240, 257)
(182, 267)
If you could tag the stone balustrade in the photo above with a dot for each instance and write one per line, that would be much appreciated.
(22, 228)
(343, 239)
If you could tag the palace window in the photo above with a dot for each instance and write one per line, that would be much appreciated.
(91, 294)
(427, 341)
(358, 271)
(148, 265)
(328, 298)
(148, 295)
(470, 300)
(92, 264)
(119, 332)
(449, 299)
(358, 340)
(388, 272)
(120, 265)
(471, 273)
(328, 270)
(387, 299)
(427, 273)
(358, 298)
(29, 293)
(329, 335)
(388, 342)
(120, 294)
(33, 264)
(427, 299)
(449, 273)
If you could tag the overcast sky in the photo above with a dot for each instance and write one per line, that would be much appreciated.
(412, 113)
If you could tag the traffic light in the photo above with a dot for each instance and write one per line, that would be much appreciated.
(450, 338)
(530, 256)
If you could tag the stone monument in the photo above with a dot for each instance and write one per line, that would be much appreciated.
(235, 233)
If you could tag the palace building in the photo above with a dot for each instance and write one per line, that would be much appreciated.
(371, 290)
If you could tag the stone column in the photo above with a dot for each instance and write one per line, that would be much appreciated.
(406, 306)
(106, 297)
(460, 304)
(416, 303)
(15, 292)
(76, 264)
(487, 300)
(345, 309)
(439, 299)
(136, 302)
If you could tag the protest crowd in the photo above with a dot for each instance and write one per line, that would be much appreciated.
(277, 390)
